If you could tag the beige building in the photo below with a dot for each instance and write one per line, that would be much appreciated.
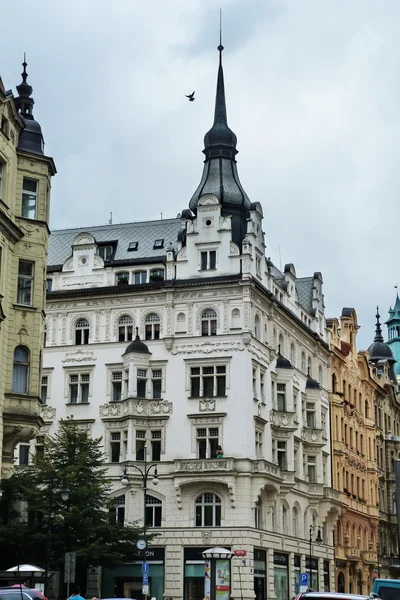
(355, 387)
(25, 174)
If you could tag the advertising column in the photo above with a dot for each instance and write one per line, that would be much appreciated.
(222, 579)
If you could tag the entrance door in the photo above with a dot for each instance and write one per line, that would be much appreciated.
(194, 588)
(259, 588)
(130, 588)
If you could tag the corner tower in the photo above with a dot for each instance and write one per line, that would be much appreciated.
(220, 175)
(393, 325)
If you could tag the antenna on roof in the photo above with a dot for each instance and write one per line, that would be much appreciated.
(110, 221)
(280, 259)
(161, 216)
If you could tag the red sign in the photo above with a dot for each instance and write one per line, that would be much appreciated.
(239, 552)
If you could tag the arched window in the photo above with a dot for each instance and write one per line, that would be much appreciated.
(118, 510)
(339, 534)
(274, 338)
(340, 583)
(366, 409)
(152, 327)
(257, 327)
(208, 322)
(281, 343)
(295, 522)
(293, 354)
(181, 322)
(284, 519)
(153, 511)
(235, 318)
(81, 332)
(125, 328)
(309, 366)
(305, 525)
(303, 362)
(334, 383)
(208, 510)
(20, 370)
(320, 376)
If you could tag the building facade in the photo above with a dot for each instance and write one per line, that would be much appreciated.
(355, 465)
(180, 339)
(25, 174)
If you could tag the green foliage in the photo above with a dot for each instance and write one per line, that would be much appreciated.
(82, 524)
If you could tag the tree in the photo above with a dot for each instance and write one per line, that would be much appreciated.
(86, 523)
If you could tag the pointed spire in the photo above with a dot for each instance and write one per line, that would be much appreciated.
(24, 102)
(378, 331)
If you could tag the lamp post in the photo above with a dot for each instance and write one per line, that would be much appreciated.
(144, 473)
(318, 540)
(64, 493)
(222, 583)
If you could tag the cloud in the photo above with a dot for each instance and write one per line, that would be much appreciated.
(313, 96)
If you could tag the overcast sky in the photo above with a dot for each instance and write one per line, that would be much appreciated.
(313, 95)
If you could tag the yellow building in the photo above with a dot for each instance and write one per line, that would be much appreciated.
(355, 388)
(25, 174)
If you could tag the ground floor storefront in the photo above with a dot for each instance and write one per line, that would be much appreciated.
(268, 567)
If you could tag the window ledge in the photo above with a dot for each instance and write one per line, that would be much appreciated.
(76, 403)
(207, 397)
(25, 307)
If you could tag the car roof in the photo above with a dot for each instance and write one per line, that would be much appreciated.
(332, 596)
(6, 594)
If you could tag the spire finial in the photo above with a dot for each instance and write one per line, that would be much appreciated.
(279, 348)
(24, 74)
(378, 331)
(220, 47)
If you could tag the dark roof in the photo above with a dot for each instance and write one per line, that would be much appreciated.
(312, 384)
(144, 232)
(378, 350)
(31, 138)
(304, 287)
(137, 346)
(282, 362)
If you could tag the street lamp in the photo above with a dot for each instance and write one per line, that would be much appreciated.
(318, 540)
(144, 473)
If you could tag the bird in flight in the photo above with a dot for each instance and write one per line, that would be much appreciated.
(191, 97)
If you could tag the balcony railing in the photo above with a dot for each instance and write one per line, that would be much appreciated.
(283, 419)
(353, 553)
(313, 437)
(370, 557)
(204, 465)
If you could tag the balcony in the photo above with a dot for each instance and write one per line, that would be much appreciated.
(204, 465)
(313, 436)
(134, 407)
(283, 420)
(353, 553)
(370, 557)
(21, 421)
(393, 562)
(331, 494)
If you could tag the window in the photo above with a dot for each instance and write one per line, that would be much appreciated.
(156, 382)
(158, 244)
(284, 519)
(311, 469)
(49, 284)
(79, 388)
(310, 415)
(140, 444)
(153, 511)
(122, 278)
(24, 454)
(207, 442)
(208, 381)
(105, 252)
(155, 444)
(257, 327)
(5, 126)
(133, 246)
(208, 322)
(281, 397)
(208, 260)
(1, 178)
(259, 439)
(25, 282)
(125, 328)
(81, 332)
(282, 458)
(181, 322)
(116, 386)
(208, 510)
(44, 388)
(141, 383)
(29, 198)
(152, 327)
(258, 514)
(115, 446)
(119, 509)
(295, 522)
(126, 383)
(140, 277)
(235, 319)
(20, 370)
(157, 275)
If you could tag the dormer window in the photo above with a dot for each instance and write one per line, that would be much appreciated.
(105, 252)
(133, 246)
(158, 244)
(208, 260)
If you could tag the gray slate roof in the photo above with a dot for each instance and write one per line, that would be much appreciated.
(145, 232)
(304, 287)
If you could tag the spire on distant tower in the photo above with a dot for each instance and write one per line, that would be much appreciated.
(24, 101)
(378, 331)
(30, 138)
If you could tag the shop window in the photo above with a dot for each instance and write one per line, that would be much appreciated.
(208, 510)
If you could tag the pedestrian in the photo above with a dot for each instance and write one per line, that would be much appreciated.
(77, 595)
(220, 452)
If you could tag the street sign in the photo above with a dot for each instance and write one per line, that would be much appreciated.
(304, 579)
(145, 590)
(69, 567)
(239, 552)
(145, 567)
(145, 580)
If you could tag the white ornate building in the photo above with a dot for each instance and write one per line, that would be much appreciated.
(233, 353)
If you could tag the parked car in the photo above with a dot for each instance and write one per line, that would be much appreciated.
(16, 591)
(387, 589)
(9, 594)
(334, 596)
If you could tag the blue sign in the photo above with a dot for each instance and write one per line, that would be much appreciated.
(304, 579)
(145, 567)
(145, 579)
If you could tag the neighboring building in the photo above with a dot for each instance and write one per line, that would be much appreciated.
(393, 325)
(355, 469)
(178, 336)
(25, 174)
